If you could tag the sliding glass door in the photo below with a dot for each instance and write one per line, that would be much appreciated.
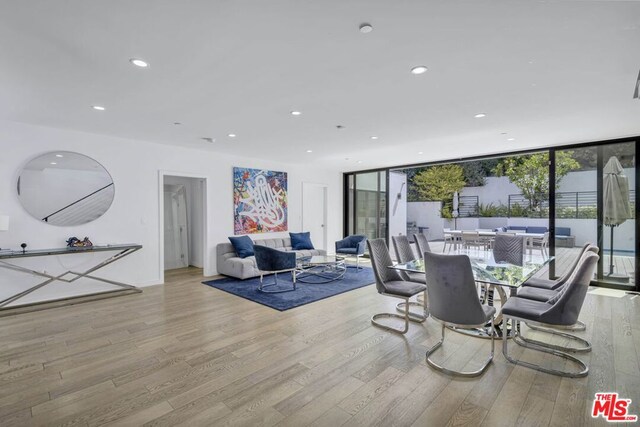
(367, 204)
(596, 204)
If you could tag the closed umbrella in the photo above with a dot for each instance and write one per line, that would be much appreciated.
(455, 211)
(617, 208)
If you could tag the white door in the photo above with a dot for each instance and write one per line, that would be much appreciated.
(176, 243)
(314, 213)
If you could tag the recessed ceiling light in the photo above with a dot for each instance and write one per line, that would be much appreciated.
(139, 62)
(480, 115)
(511, 139)
(295, 113)
(366, 28)
(359, 161)
(98, 107)
(420, 152)
(59, 155)
(53, 163)
(420, 69)
(309, 151)
(232, 135)
(374, 137)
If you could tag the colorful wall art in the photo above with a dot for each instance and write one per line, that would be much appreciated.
(259, 201)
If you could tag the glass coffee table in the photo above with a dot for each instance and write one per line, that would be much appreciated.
(320, 269)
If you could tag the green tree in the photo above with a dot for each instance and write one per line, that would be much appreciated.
(439, 183)
(531, 174)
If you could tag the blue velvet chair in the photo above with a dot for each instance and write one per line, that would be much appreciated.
(269, 260)
(352, 246)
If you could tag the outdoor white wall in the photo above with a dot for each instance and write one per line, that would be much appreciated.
(397, 204)
(496, 190)
(134, 215)
(426, 214)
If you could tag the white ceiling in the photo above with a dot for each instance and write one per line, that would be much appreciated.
(546, 72)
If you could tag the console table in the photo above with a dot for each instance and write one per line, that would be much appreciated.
(68, 276)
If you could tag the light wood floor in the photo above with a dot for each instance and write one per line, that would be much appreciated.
(186, 353)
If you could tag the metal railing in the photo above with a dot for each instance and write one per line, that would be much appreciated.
(468, 206)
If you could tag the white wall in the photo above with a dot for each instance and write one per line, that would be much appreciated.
(134, 215)
(397, 203)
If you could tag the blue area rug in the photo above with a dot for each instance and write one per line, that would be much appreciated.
(304, 294)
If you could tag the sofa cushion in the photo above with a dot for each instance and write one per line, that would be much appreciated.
(517, 228)
(563, 231)
(537, 230)
(243, 245)
(301, 241)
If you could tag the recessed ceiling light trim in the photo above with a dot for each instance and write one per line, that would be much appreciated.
(419, 69)
(98, 107)
(139, 62)
(232, 135)
(365, 28)
(296, 113)
(480, 115)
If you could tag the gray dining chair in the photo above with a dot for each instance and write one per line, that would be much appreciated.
(404, 254)
(538, 282)
(422, 243)
(453, 301)
(544, 294)
(561, 310)
(509, 248)
(390, 283)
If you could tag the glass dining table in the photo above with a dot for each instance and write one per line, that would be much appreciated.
(499, 271)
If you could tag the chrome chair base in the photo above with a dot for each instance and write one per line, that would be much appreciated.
(413, 316)
(584, 369)
(578, 326)
(585, 345)
(407, 316)
(465, 374)
(268, 288)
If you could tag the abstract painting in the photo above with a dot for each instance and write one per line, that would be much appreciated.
(259, 201)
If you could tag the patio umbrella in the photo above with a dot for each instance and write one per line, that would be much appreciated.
(617, 208)
(455, 211)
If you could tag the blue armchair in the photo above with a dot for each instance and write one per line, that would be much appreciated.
(352, 246)
(269, 260)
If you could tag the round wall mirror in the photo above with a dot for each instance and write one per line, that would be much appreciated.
(65, 188)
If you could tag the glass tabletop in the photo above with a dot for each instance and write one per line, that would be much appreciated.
(320, 260)
(504, 269)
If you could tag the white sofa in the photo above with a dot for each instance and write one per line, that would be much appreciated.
(230, 264)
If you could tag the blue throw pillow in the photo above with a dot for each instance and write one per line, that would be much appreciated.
(243, 246)
(300, 241)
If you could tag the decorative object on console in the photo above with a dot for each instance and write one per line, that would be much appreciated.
(301, 241)
(74, 242)
(24, 247)
(259, 201)
(65, 188)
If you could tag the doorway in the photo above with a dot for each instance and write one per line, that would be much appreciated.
(183, 210)
(314, 213)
